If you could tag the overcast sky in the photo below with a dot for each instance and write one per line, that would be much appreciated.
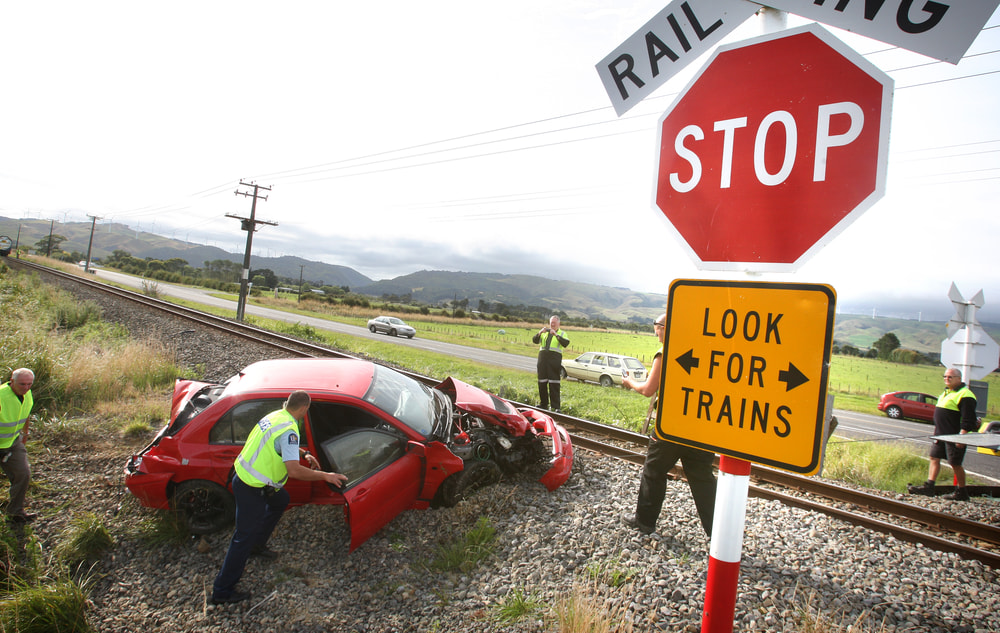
(451, 135)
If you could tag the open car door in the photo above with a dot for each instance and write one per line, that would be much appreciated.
(384, 478)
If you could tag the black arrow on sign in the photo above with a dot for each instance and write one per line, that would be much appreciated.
(687, 361)
(792, 377)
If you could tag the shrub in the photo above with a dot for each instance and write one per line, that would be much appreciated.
(85, 541)
(59, 606)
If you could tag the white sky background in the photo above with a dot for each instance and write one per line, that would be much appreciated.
(450, 135)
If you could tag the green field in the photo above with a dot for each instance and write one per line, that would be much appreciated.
(856, 383)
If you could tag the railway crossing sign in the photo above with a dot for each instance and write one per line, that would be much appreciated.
(667, 43)
(776, 146)
(745, 370)
(969, 348)
(940, 30)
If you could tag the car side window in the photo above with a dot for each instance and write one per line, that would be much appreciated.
(235, 425)
(614, 362)
(599, 360)
(360, 453)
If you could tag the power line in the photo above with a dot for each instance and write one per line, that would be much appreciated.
(385, 158)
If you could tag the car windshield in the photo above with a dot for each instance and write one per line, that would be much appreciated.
(405, 399)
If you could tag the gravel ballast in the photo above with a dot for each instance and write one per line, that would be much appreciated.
(549, 546)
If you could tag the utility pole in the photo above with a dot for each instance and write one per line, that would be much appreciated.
(249, 225)
(302, 267)
(90, 245)
(48, 247)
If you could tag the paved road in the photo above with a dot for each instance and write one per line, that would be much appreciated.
(204, 296)
(862, 426)
(851, 425)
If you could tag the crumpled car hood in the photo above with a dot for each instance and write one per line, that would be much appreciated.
(485, 405)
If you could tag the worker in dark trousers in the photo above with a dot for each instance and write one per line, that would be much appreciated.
(550, 340)
(661, 456)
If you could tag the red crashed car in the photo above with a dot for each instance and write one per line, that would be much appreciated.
(908, 404)
(401, 443)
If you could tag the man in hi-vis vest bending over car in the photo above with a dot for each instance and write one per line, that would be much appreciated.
(269, 457)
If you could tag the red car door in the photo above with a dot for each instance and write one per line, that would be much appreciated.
(383, 478)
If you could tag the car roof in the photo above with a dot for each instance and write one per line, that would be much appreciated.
(610, 354)
(348, 376)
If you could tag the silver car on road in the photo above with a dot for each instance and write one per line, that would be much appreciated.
(392, 326)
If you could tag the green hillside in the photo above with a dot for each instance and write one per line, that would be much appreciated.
(578, 300)
(110, 237)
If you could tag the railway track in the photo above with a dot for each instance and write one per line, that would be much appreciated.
(935, 530)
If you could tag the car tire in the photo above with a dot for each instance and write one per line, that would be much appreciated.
(204, 506)
(562, 373)
(607, 381)
(392, 332)
(476, 474)
(894, 412)
(373, 330)
(410, 336)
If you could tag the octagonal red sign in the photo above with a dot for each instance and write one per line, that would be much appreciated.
(774, 148)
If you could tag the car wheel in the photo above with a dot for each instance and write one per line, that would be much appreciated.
(392, 332)
(476, 474)
(894, 412)
(410, 336)
(607, 381)
(562, 373)
(372, 328)
(204, 506)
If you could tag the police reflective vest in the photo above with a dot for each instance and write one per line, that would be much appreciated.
(259, 464)
(13, 414)
(548, 339)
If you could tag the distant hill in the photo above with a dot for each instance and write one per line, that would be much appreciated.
(436, 287)
(111, 237)
(576, 299)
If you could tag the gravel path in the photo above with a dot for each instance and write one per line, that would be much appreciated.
(550, 546)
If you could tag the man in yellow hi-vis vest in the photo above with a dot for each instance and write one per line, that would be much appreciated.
(550, 340)
(954, 414)
(15, 407)
(270, 456)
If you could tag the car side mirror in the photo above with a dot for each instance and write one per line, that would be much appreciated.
(416, 448)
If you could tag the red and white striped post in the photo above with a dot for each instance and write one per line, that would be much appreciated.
(725, 551)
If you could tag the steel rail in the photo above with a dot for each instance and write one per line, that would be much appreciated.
(832, 492)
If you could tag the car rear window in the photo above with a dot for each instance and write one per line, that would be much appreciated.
(198, 403)
(633, 363)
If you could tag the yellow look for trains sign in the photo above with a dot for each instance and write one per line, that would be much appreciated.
(745, 368)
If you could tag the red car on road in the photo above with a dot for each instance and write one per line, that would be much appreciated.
(908, 404)
(401, 443)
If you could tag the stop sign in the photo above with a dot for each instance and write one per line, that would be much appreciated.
(775, 147)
